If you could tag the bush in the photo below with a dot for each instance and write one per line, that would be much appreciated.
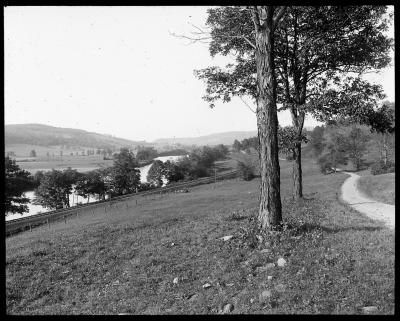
(379, 167)
(246, 171)
(325, 165)
(145, 187)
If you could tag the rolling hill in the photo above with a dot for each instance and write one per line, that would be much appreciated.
(226, 138)
(24, 137)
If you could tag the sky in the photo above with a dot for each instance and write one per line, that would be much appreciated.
(119, 71)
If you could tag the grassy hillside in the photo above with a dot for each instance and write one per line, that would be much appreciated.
(124, 260)
(379, 187)
(22, 138)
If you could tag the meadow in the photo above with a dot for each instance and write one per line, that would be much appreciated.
(81, 163)
(379, 187)
(125, 260)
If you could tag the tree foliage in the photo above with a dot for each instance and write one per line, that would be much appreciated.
(317, 140)
(17, 181)
(156, 173)
(356, 146)
(125, 173)
(91, 184)
(146, 153)
(55, 188)
(320, 53)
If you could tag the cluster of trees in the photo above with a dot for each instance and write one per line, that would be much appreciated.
(344, 141)
(146, 153)
(17, 182)
(303, 58)
(198, 163)
(55, 186)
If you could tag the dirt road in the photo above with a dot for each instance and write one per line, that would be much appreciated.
(358, 201)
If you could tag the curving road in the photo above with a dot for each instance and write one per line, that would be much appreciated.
(357, 200)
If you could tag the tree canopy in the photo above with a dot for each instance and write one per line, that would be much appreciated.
(320, 53)
(17, 182)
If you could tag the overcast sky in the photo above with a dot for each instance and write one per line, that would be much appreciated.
(119, 71)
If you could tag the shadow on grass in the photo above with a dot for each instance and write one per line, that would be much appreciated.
(309, 227)
(297, 229)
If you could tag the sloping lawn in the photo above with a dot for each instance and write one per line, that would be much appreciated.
(379, 187)
(126, 259)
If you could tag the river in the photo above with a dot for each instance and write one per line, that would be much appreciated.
(75, 199)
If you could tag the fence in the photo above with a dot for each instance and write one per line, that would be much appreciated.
(29, 222)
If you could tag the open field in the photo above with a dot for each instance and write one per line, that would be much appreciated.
(379, 187)
(125, 260)
(81, 163)
(23, 150)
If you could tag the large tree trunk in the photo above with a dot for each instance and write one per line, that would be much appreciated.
(297, 172)
(270, 210)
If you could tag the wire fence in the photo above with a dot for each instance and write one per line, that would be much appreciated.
(27, 223)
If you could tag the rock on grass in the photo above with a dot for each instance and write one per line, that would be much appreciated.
(228, 308)
(264, 296)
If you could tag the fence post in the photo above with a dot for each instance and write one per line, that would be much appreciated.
(48, 223)
(30, 227)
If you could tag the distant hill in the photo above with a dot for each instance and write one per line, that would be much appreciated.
(226, 138)
(49, 137)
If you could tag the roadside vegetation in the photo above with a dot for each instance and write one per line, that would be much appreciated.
(379, 187)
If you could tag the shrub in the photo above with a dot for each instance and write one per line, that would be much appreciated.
(246, 171)
(145, 187)
(379, 167)
(325, 165)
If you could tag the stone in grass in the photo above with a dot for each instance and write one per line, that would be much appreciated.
(206, 286)
(269, 277)
(175, 281)
(281, 262)
(265, 268)
(226, 238)
(264, 296)
(263, 251)
(280, 288)
(369, 309)
(228, 308)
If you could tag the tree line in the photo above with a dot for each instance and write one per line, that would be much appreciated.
(337, 143)
(53, 188)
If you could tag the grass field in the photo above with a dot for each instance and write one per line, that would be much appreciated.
(379, 187)
(125, 260)
(81, 163)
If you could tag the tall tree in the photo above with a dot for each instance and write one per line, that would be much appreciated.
(17, 182)
(316, 47)
(155, 174)
(237, 146)
(55, 188)
(266, 19)
(356, 145)
(125, 172)
(317, 140)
